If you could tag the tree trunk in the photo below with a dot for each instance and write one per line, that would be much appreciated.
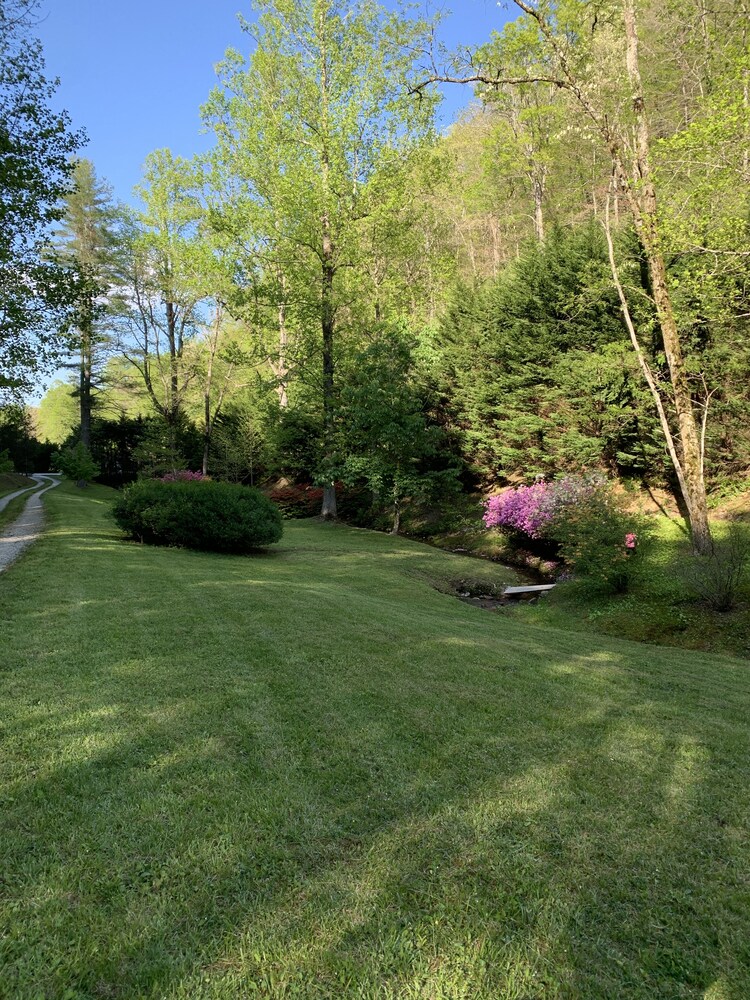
(174, 383)
(396, 517)
(328, 329)
(282, 370)
(327, 309)
(84, 387)
(538, 185)
(328, 510)
(643, 204)
(207, 422)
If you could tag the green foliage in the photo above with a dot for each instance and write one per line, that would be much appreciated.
(86, 244)
(18, 437)
(314, 131)
(58, 413)
(720, 577)
(219, 517)
(172, 271)
(76, 463)
(294, 443)
(6, 462)
(239, 451)
(535, 370)
(592, 533)
(164, 447)
(388, 438)
(36, 293)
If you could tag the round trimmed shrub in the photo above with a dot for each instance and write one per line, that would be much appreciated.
(215, 517)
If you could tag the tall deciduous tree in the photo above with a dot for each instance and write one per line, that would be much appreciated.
(528, 115)
(35, 167)
(322, 102)
(166, 280)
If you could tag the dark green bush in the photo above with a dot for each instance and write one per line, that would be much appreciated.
(217, 517)
(76, 463)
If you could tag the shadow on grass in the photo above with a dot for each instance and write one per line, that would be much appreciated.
(302, 779)
(552, 826)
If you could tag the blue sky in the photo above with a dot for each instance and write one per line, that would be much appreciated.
(133, 74)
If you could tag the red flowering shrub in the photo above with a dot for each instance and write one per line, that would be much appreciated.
(297, 500)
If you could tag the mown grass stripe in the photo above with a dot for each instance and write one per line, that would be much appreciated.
(311, 774)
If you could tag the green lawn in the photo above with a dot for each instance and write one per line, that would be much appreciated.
(311, 774)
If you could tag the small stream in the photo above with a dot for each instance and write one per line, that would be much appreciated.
(489, 596)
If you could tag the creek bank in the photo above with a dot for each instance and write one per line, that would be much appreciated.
(491, 546)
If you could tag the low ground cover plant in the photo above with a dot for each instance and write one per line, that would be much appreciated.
(199, 514)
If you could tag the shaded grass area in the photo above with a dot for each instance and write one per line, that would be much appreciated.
(12, 481)
(659, 607)
(310, 774)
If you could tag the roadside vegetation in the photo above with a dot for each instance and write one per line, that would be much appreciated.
(12, 510)
(12, 481)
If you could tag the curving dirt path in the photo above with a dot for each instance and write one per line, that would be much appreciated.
(28, 525)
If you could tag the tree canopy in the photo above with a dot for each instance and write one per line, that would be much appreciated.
(36, 146)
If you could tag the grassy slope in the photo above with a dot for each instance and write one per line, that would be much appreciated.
(12, 481)
(309, 774)
(659, 607)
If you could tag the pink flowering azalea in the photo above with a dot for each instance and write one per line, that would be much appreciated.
(182, 476)
(520, 509)
(631, 540)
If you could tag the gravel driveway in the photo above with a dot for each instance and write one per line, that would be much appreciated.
(28, 525)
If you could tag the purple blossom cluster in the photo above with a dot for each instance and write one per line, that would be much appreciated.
(570, 491)
(182, 476)
(521, 509)
(530, 509)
